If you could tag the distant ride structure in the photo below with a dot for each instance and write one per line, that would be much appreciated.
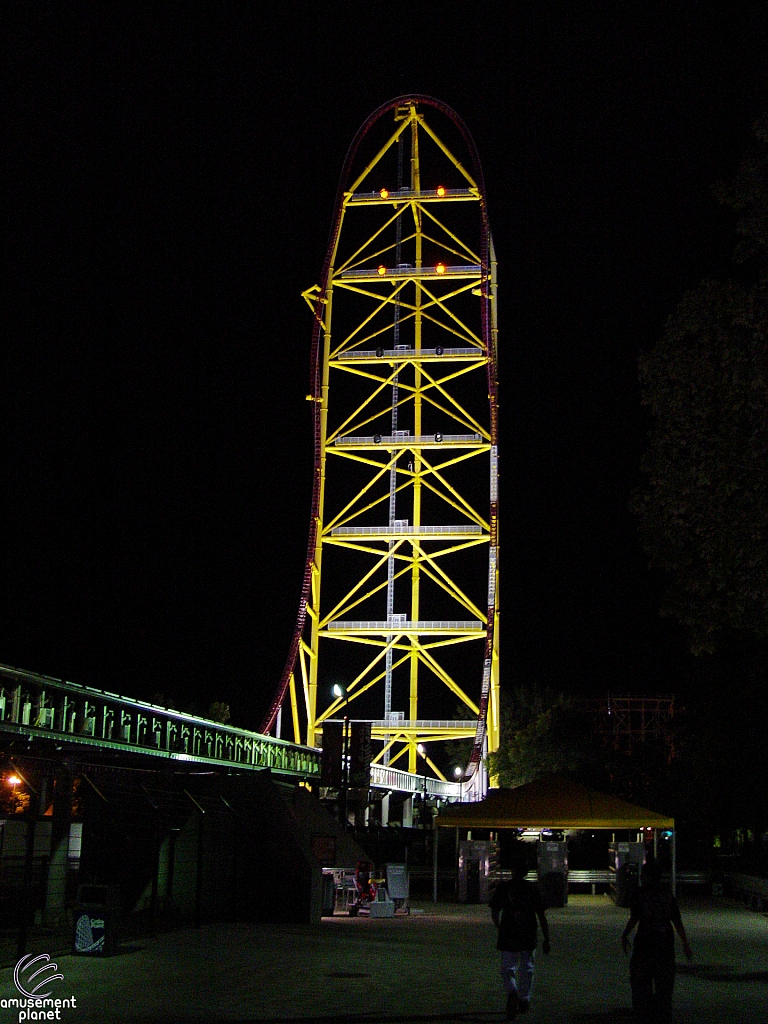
(399, 605)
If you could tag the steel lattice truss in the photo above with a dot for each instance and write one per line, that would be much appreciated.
(628, 719)
(402, 566)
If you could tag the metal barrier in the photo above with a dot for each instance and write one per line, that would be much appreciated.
(383, 777)
(37, 706)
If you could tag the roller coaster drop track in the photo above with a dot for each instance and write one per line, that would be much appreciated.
(406, 336)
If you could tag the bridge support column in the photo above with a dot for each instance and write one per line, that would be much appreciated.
(385, 809)
(408, 812)
(56, 883)
(26, 893)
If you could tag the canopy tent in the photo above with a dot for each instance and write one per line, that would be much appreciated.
(551, 802)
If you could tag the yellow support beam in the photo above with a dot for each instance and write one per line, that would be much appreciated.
(390, 288)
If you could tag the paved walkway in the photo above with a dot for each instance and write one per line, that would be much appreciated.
(439, 964)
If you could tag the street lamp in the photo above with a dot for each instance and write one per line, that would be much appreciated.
(459, 774)
(422, 750)
(339, 692)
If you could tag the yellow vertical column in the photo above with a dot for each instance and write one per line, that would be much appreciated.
(413, 710)
(494, 707)
(314, 608)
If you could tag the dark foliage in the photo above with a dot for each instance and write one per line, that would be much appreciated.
(542, 733)
(704, 513)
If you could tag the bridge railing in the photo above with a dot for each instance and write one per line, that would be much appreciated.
(39, 706)
(384, 777)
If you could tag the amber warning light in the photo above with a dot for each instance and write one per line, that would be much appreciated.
(441, 191)
(440, 268)
(382, 271)
(384, 193)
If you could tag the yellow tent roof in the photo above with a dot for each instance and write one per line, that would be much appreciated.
(551, 802)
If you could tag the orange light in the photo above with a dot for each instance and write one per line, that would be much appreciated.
(441, 191)
(14, 780)
(384, 193)
(382, 271)
(440, 268)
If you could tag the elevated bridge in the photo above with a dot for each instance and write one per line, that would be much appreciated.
(54, 715)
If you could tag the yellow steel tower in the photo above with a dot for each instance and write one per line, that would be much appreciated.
(400, 591)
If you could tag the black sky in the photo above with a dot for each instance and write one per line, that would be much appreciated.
(171, 173)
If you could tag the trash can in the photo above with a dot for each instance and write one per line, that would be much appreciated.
(97, 920)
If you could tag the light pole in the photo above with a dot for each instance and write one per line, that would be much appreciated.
(339, 691)
(422, 750)
(459, 774)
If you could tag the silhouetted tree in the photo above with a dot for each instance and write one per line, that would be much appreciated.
(704, 514)
(542, 733)
(219, 712)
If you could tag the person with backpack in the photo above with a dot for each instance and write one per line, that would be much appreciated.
(516, 906)
(654, 911)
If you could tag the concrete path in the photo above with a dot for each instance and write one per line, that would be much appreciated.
(439, 964)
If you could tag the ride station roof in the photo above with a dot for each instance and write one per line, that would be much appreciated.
(550, 802)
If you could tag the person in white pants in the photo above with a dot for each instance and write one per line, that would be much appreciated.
(516, 908)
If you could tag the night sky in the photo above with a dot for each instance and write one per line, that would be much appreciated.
(172, 173)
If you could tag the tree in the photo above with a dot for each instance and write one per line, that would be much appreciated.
(704, 514)
(219, 712)
(541, 734)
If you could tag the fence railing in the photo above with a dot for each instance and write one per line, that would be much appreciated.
(34, 705)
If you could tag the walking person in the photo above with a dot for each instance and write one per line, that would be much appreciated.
(655, 912)
(515, 907)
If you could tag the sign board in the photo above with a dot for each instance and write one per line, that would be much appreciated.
(397, 881)
(330, 765)
(324, 850)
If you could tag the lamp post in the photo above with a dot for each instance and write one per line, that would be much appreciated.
(338, 692)
(459, 774)
(422, 750)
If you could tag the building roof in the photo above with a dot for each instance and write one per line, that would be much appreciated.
(550, 802)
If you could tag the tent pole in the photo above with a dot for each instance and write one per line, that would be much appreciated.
(435, 834)
(456, 886)
(674, 862)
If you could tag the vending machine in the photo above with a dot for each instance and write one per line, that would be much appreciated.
(477, 860)
(624, 863)
(552, 865)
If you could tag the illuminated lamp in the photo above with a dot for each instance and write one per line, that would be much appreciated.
(382, 270)
(440, 268)
(441, 190)
(384, 193)
(13, 780)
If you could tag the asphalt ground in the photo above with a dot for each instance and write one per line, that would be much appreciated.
(438, 964)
